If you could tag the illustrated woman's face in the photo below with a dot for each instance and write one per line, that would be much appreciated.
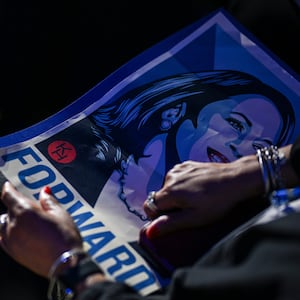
(226, 130)
(230, 133)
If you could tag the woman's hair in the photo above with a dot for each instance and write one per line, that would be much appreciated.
(125, 126)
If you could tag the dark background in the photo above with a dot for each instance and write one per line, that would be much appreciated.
(52, 52)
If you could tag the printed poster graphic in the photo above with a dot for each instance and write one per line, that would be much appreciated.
(210, 92)
(209, 97)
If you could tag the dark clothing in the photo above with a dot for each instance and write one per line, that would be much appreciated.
(262, 262)
(295, 156)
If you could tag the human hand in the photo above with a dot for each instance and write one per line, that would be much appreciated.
(36, 233)
(196, 194)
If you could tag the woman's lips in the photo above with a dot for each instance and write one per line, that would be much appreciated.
(216, 156)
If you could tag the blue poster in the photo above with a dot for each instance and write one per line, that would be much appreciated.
(211, 92)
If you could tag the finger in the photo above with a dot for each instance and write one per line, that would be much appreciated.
(164, 199)
(47, 200)
(150, 206)
(13, 199)
(156, 205)
(50, 205)
(170, 196)
(171, 222)
(160, 203)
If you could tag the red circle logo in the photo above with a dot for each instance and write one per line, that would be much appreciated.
(62, 152)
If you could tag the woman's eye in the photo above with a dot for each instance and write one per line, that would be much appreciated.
(236, 124)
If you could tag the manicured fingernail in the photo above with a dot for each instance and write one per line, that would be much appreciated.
(152, 232)
(47, 190)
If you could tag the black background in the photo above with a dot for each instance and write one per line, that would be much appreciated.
(52, 52)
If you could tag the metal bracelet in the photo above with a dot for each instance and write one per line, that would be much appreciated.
(54, 285)
(264, 171)
(271, 160)
(65, 258)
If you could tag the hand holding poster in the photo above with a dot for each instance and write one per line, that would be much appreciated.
(208, 93)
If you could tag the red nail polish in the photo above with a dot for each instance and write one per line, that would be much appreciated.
(47, 190)
(152, 232)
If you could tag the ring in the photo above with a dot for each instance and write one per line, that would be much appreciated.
(150, 202)
(3, 220)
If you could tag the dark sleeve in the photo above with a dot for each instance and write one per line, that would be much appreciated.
(115, 291)
(261, 263)
(295, 156)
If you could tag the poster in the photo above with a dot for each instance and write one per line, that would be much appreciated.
(210, 92)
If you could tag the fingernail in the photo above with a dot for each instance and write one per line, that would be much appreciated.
(47, 190)
(152, 232)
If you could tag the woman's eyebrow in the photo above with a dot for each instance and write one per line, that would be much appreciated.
(249, 123)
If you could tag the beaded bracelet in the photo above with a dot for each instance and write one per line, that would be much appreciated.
(270, 160)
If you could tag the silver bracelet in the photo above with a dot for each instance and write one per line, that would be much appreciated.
(264, 171)
(63, 259)
(271, 160)
(54, 285)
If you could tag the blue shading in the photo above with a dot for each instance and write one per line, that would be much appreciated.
(203, 48)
